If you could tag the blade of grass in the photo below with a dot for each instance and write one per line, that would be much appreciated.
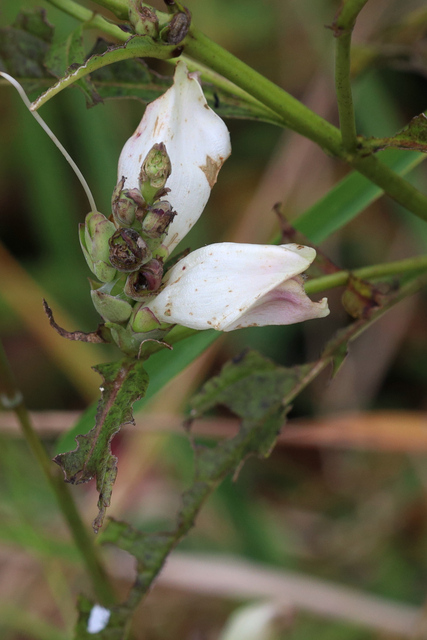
(349, 197)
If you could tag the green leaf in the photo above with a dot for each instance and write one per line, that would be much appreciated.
(161, 368)
(349, 197)
(124, 382)
(23, 47)
(64, 56)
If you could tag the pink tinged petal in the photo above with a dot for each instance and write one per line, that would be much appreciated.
(228, 286)
(197, 142)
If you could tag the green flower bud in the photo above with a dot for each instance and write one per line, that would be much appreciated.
(144, 320)
(128, 251)
(94, 238)
(111, 308)
(141, 283)
(144, 19)
(155, 171)
(127, 204)
(158, 219)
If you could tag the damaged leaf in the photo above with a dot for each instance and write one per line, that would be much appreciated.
(413, 136)
(124, 382)
(64, 56)
(23, 47)
(253, 387)
(361, 297)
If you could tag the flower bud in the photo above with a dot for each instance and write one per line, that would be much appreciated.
(158, 219)
(143, 320)
(111, 308)
(155, 171)
(94, 238)
(128, 251)
(146, 280)
(178, 27)
(144, 19)
(127, 204)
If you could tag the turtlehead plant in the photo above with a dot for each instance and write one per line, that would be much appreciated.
(166, 171)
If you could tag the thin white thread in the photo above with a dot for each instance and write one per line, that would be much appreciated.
(54, 139)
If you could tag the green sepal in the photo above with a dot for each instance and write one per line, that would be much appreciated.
(111, 308)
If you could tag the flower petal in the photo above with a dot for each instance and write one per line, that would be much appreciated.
(197, 142)
(227, 286)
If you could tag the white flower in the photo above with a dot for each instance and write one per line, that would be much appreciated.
(229, 286)
(197, 142)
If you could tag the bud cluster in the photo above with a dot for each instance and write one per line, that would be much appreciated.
(126, 254)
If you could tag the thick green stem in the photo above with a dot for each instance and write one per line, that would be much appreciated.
(295, 115)
(343, 29)
(373, 272)
(11, 398)
(303, 120)
(343, 91)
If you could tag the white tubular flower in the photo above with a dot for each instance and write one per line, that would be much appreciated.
(229, 286)
(197, 143)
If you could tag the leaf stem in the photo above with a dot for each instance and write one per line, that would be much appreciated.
(373, 272)
(343, 29)
(11, 398)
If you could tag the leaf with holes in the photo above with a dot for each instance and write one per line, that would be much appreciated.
(125, 382)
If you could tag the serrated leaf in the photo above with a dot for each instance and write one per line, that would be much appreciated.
(62, 57)
(23, 47)
(413, 136)
(124, 382)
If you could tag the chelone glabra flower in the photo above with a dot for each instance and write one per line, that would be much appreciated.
(229, 286)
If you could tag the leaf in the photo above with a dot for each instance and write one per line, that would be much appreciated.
(253, 387)
(124, 382)
(23, 47)
(64, 56)
(413, 136)
(161, 368)
(360, 297)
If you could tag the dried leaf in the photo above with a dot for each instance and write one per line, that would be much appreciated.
(414, 137)
(125, 382)
(361, 297)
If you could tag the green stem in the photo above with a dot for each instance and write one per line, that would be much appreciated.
(92, 20)
(301, 119)
(11, 398)
(295, 115)
(373, 272)
(343, 29)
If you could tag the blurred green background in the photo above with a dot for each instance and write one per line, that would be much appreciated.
(352, 512)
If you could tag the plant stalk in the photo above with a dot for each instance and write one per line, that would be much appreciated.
(343, 29)
(340, 278)
(11, 398)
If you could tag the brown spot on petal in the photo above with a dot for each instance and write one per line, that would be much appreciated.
(211, 169)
